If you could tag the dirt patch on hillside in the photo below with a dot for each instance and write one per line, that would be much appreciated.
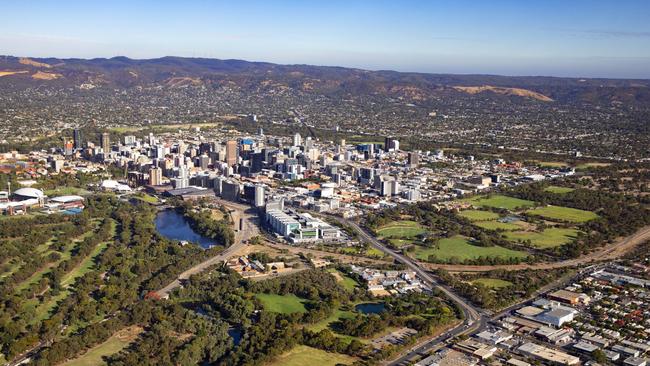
(504, 91)
(46, 76)
(129, 334)
(30, 62)
(7, 73)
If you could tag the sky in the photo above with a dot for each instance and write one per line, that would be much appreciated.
(578, 38)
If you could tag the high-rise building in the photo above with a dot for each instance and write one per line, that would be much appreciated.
(106, 142)
(391, 144)
(204, 161)
(68, 147)
(259, 196)
(76, 134)
(413, 158)
(231, 152)
(129, 140)
(155, 176)
(297, 139)
(257, 162)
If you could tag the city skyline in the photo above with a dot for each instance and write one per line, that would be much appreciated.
(577, 39)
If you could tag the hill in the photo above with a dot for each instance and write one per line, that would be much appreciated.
(123, 72)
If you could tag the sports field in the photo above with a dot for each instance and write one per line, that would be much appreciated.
(500, 201)
(492, 282)
(496, 225)
(284, 304)
(304, 355)
(563, 213)
(404, 229)
(559, 190)
(460, 248)
(478, 215)
(549, 238)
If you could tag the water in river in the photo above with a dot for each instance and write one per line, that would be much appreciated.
(172, 225)
(370, 307)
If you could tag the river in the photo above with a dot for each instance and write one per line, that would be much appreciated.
(174, 226)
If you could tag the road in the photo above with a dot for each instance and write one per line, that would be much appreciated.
(474, 321)
(249, 230)
(609, 252)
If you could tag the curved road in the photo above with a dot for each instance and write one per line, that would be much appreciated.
(474, 318)
(248, 230)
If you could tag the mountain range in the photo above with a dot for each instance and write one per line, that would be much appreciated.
(18, 73)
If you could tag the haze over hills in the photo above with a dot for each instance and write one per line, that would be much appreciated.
(18, 73)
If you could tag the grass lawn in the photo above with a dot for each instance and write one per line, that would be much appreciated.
(492, 282)
(500, 201)
(83, 267)
(146, 198)
(113, 345)
(559, 190)
(67, 191)
(323, 324)
(563, 213)
(552, 164)
(345, 281)
(304, 355)
(285, 304)
(374, 253)
(460, 248)
(478, 215)
(404, 229)
(398, 243)
(496, 225)
(549, 238)
(586, 166)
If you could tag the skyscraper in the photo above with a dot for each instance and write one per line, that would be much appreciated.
(297, 139)
(77, 139)
(155, 176)
(231, 152)
(67, 147)
(413, 158)
(106, 142)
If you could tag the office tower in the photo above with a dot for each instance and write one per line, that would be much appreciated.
(68, 147)
(297, 139)
(413, 158)
(257, 162)
(391, 144)
(259, 196)
(129, 140)
(155, 176)
(231, 152)
(309, 143)
(204, 161)
(106, 142)
(77, 139)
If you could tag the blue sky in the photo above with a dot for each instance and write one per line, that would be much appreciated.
(544, 37)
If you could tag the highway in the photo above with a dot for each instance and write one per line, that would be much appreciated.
(474, 321)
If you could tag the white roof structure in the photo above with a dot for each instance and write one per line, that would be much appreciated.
(115, 185)
(29, 192)
(28, 202)
(66, 199)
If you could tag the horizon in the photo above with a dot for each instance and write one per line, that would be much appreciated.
(330, 66)
(590, 39)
